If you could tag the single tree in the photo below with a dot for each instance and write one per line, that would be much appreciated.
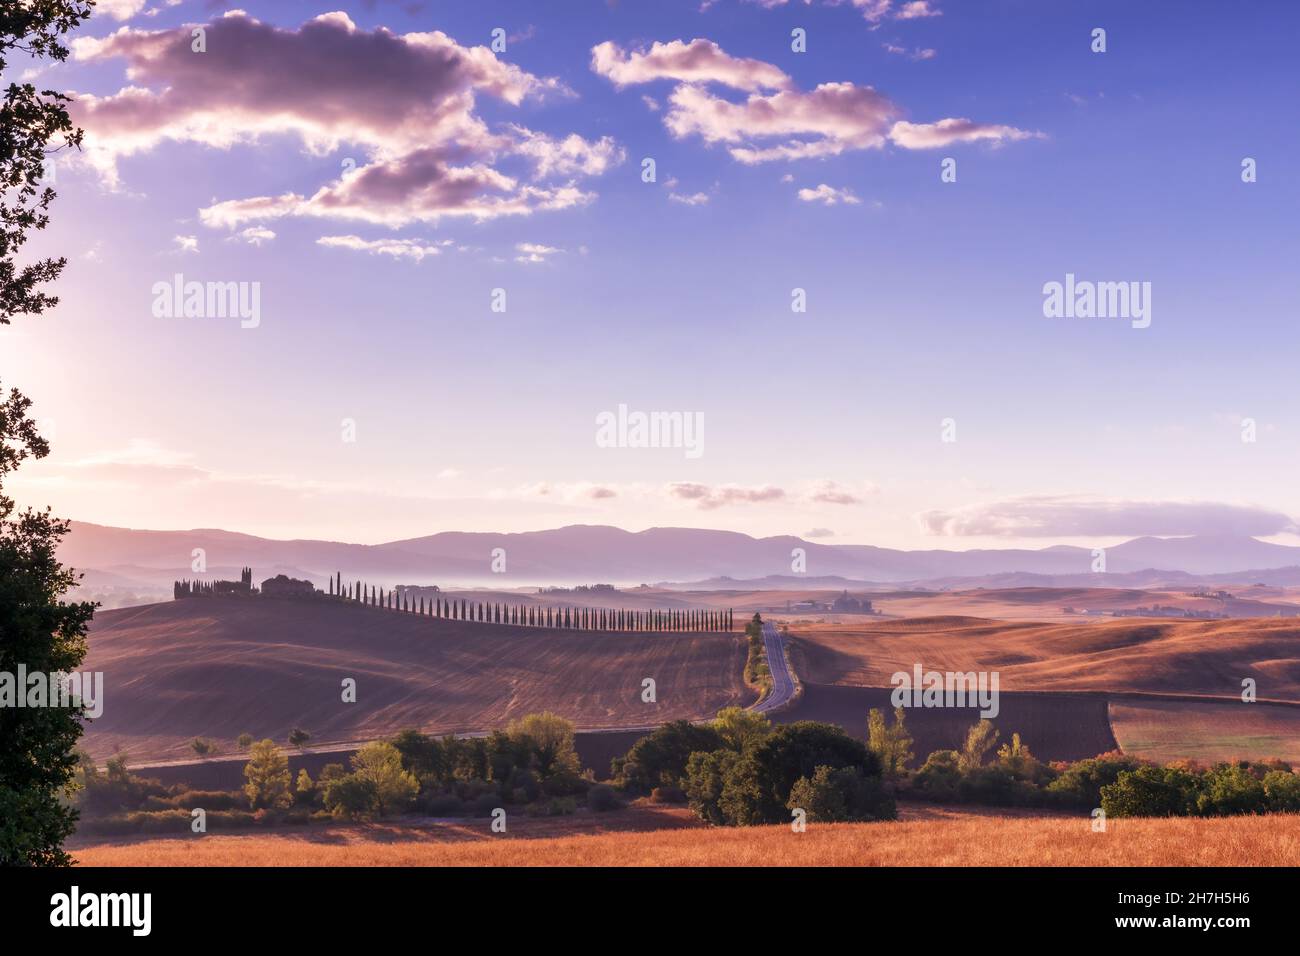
(378, 766)
(740, 728)
(266, 776)
(979, 741)
(893, 745)
(549, 738)
(37, 630)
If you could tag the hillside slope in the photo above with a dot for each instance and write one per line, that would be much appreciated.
(221, 667)
(1152, 656)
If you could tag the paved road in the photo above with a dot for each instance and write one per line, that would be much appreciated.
(782, 682)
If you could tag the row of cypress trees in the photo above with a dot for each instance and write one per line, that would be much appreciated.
(572, 618)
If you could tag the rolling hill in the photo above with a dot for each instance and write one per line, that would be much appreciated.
(1129, 654)
(220, 667)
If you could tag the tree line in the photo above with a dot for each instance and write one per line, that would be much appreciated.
(527, 615)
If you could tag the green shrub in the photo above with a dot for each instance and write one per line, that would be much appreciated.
(443, 805)
(379, 767)
(659, 758)
(267, 776)
(1230, 789)
(562, 806)
(565, 783)
(741, 789)
(797, 750)
(484, 804)
(891, 745)
(602, 798)
(349, 797)
(422, 755)
(209, 799)
(546, 742)
(1150, 792)
(832, 795)
(525, 782)
(820, 796)
(1079, 784)
(707, 778)
(939, 777)
(114, 790)
(995, 785)
(668, 795)
(1282, 791)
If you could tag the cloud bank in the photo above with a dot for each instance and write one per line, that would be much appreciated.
(776, 121)
(1067, 516)
(406, 103)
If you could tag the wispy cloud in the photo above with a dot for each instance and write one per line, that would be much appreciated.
(777, 121)
(534, 252)
(394, 248)
(700, 61)
(829, 195)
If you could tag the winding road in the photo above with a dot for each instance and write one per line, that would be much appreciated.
(782, 680)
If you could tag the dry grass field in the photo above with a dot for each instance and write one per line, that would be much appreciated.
(925, 837)
(1154, 656)
(221, 667)
(1164, 731)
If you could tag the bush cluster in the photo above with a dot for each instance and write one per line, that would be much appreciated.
(739, 771)
(1121, 785)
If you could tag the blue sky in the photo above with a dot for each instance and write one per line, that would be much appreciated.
(924, 297)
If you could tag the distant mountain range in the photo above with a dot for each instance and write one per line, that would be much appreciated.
(122, 558)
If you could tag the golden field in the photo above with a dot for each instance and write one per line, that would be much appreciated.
(924, 837)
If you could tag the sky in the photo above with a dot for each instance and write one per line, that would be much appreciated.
(383, 177)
